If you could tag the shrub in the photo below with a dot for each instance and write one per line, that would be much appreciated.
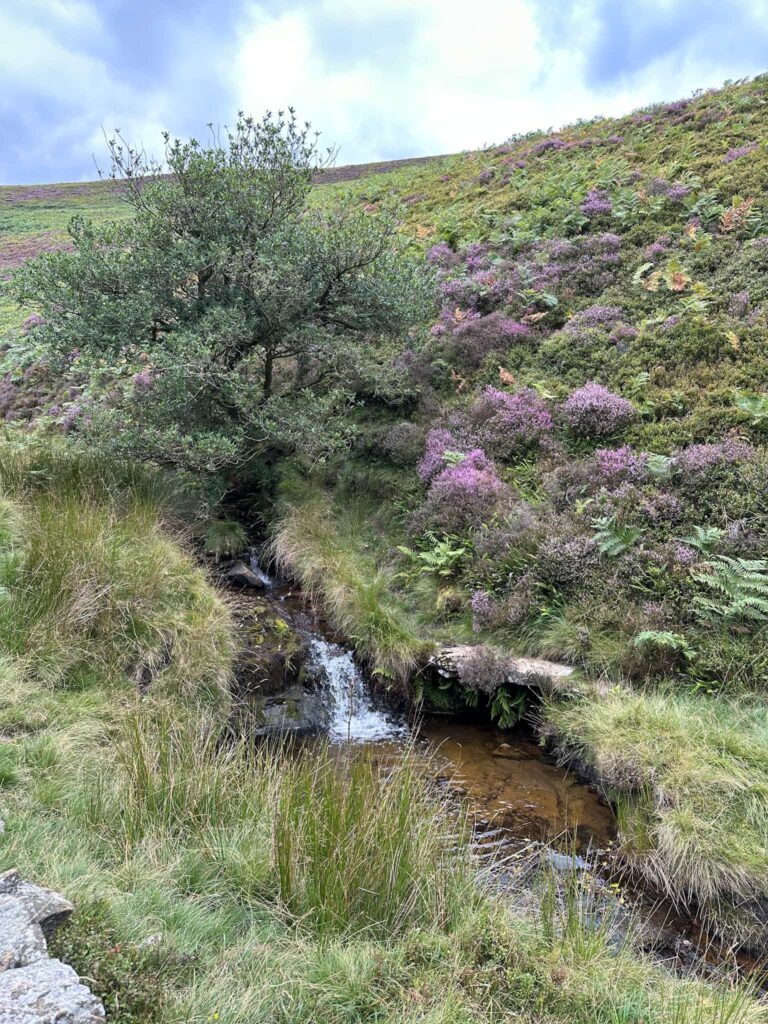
(510, 423)
(464, 494)
(474, 338)
(617, 465)
(594, 411)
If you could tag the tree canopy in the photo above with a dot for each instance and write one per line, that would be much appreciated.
(229, 312)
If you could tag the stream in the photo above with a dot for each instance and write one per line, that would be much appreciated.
(526, 811)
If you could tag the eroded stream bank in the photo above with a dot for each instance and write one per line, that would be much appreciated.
(527, 812)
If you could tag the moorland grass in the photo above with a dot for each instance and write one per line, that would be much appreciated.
(330, 551)
(693, 771)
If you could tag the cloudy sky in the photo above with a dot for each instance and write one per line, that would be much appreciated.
(379, 78)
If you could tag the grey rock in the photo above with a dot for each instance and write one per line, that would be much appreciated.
(47, 992)
(240, 575)
(21, 940)
(294, 712)
(534, 672)
(44, 906)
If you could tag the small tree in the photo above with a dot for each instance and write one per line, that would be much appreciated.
(227, 313)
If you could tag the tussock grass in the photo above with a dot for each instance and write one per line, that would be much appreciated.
(694, 774)
(92, 582)
(329, 551)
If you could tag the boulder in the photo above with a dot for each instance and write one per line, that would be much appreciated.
(519, 671)
(44, 907)
(47, 992)
(241, 575)
(21, 940)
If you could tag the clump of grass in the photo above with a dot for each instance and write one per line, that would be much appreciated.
(92, 582)
(694, 774)
(365, 847)
(225, 538)
(328, 551)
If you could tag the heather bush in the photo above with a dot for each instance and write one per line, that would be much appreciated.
(475, 338)
(594, 411)
(613, 466)
(510, 423)
(402, 443)
(563, 560)
(464, 494)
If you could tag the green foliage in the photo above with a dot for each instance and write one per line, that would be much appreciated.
(738, 588)
(704, 538)
(507, 707)
(225, 538)
(613, 539)
(223, 303)
(438, 556)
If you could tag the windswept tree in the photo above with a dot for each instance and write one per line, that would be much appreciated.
(228, 313)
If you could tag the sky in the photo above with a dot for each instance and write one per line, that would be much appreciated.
(380, 79)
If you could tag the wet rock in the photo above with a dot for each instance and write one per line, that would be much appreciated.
(47, 992)
(510, 752)
(272, 653)
(561, 862)
(295, 712)
(241, 575)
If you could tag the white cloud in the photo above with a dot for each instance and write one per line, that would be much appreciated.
(471, 74)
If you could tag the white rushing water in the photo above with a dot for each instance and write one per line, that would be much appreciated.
(354, 715)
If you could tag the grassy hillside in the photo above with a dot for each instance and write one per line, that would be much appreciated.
(576, 466)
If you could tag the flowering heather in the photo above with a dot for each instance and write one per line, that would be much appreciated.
(509, 423)
(484, 610)
(657, 248)
(143, 380)
(594, 411)
(15, 252)
(617, 465)
(597, 202)
(485, 176)
(684, 555)
(739, 304)
(476, 337)
(699, 459)
(594, 316)
(739, 151)
(402, 443)
(671, 322)
(464, 494)
(443, 255)
(564, 560)
(439, 441)
(547, 144)
(71, 417)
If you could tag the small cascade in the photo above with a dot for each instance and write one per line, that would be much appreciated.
(255, 563)
(354, 715)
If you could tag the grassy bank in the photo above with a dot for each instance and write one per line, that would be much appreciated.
(219, 883)
(691, 774)
(336, 554)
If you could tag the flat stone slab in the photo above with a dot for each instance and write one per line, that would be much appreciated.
(520, 671)
(44, 906)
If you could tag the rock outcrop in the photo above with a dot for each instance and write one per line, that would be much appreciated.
(34, 988)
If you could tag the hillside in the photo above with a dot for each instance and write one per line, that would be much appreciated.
(565, 457)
